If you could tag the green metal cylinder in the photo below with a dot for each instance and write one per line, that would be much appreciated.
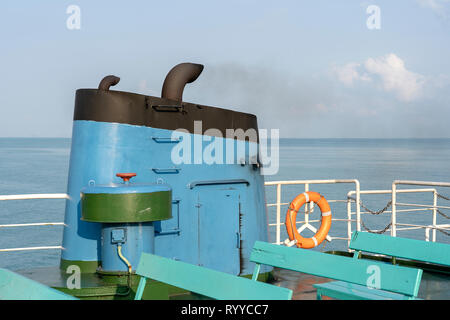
(126, 207)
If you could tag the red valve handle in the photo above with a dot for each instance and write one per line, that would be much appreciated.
(126, 176)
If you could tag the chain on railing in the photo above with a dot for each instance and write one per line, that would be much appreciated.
(435, 207)
(388, 205)
(443, 214)
(443, 232)
(440, 212)
(375, 212)
(442, 196)
(378, 231)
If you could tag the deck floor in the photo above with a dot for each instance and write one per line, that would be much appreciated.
(434, 286)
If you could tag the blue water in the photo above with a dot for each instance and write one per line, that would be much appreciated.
(37, 165)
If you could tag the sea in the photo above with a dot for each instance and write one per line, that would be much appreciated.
(40, 165)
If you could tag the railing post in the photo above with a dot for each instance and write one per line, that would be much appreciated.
(311, 204)
(278, 236)
(349, 222)
(358, 206)
(434, 216)
(394, 209)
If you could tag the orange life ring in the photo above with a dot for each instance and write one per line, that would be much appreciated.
(291, 215)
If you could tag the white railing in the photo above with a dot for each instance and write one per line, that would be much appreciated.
(307, 221)
(443, 227)
(32, 197)
(394, 227)
(394, 224)
(435, 207)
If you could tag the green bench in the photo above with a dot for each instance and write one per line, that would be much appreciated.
(429, 252)
(203, 281)
(354, 275)
(16, 287)
(411, 249)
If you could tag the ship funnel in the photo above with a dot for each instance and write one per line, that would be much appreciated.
(107, 82)
(177, 78)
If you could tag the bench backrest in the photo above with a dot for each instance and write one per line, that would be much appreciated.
(432, 252)
(207, 282)
(17, 287)
(392, 278)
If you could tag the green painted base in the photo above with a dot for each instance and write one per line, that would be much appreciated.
(110, 286)
(85, 266)
(154, 290)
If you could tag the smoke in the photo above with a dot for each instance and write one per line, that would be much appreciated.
(280, 100)
(322, 106)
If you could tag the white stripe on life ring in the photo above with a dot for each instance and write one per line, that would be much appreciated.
(306, 196)
(326, 213)
(315, 241)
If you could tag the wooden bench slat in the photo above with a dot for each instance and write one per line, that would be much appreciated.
(432, 252)
(350, 291)
(14, 286)
(207, 282)
(392, 278)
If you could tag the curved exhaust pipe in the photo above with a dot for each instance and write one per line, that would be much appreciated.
(177, 78)
(107, 82)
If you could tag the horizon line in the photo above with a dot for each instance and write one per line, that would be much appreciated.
(291, 138)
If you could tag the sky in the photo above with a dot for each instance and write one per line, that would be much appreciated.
(312, 69)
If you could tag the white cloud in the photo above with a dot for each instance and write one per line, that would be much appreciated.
(389, 71)
(349, 73)
(395, 77)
